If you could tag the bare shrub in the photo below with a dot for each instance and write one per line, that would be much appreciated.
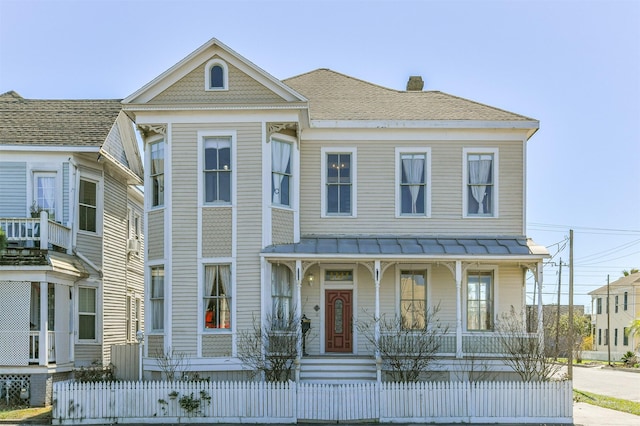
(174, 365)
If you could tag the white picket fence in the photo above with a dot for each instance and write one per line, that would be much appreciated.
(260, 402)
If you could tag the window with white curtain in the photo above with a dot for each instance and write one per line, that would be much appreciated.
(281, 173)
(413, 190)
(281, 294)
(217, 170)
(157, 173)
(157, 298)
(45, 193)
(480, 184)
(217, 297)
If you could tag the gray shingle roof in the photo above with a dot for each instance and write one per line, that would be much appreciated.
(461, 246)
(84, 123)
(335, 96)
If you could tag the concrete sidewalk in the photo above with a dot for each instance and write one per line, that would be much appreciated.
(590, 415)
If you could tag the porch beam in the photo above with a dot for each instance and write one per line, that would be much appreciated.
(43, 345)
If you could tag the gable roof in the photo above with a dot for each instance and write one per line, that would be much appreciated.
(69, 123)
(628, 281)
(200, 56)
(335, 96)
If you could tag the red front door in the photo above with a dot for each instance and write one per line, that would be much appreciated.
(338, 321)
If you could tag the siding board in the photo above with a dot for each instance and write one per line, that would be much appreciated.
(13, 189)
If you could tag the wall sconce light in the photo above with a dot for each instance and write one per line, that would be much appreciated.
(310, 278)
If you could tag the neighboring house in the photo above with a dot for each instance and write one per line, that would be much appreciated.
(330, 197)
(612, 316)
(71, 279)
(550, 315)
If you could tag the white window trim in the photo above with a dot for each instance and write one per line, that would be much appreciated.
(465, 282)
(233, 314)
(234, 170)
(149, 183)
(148, 330)
(292, 181)
(398, 180)
(496, 182)
(207, 76)
(98, 315)
(324, 151)
(99, 203)
(413, 267)
(47, 172)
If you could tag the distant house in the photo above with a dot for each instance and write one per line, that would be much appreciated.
(332, 198)
(620, 308)
(71, 279)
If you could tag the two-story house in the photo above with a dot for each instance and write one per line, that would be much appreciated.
(613, 309)
(71, 279)
(331, 198)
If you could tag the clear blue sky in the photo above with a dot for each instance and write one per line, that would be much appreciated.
(573, 65)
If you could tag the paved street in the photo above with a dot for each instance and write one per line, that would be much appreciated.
(608, 381)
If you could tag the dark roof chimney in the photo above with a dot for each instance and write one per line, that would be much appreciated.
(415, 83)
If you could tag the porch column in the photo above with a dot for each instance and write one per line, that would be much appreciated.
(540, 319)
(376, 278)
(43, 338)
(298, 316)
(458, 309)
(44, 230)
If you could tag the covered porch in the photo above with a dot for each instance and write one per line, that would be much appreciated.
(351, 288)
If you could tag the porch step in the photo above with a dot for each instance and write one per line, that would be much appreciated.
(337, 369)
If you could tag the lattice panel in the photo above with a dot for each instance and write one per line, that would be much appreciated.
(14, 322)
(14, 384)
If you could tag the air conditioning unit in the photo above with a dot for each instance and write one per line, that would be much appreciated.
(133, 246)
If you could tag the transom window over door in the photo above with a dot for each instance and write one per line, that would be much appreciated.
(413, 299)
(413, 181)
(480, 196)
(339, 184)
(217, 170)
(480, 301)
(217, 296)
(280, 173)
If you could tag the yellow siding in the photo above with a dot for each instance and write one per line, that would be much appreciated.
(443, 295)
(242, 89)
(376, 190)
(510, 289)
(216, 232)
(155, 230)
(216, 346)
(282, 226)
(366, 308)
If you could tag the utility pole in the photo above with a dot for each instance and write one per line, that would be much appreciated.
(558, 311)
(570, 355)
(608, 325)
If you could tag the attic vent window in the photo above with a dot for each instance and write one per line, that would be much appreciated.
(216, 75)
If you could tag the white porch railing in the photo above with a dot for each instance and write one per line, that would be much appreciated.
(34, 346)
(36, 232)
(260, 402)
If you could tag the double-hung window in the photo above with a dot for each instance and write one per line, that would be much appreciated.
(338, 197)
(217, 296)
(480, 172)
(625, 298)
(281, 294)
(281, 173)
(217, 170)
(615, 306)
(413, 300)
(88, 206)
(156, 298)
(599, 305)
(625, 336)
(45, 194)
(86, 313)
(479, 301)
(157, 173)
(413, 182)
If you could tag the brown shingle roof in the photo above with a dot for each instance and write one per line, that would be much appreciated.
(83, 123)
(335, 96)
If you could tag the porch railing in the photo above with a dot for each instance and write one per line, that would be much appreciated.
(34, 346)
(36, 232)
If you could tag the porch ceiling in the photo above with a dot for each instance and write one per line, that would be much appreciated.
(384, 246)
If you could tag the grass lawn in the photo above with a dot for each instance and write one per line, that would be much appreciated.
(40, 414)
(630, 407)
